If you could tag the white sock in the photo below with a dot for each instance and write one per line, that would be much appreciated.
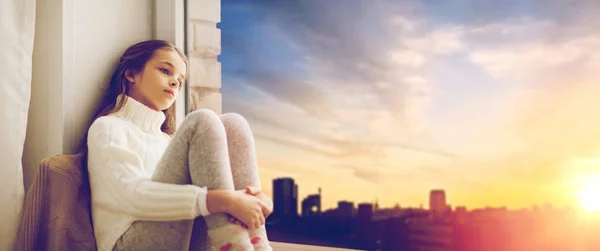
(259, 239)
(227, 236)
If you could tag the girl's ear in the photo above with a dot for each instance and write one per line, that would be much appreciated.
(130, 76)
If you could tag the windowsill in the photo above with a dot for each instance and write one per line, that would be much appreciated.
(281, 246)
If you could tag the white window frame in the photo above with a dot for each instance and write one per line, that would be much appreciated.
(169, 25)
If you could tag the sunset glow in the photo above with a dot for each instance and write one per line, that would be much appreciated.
(589, 195)
(387, 100)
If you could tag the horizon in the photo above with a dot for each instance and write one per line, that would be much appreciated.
(425, 205)
(390, 99)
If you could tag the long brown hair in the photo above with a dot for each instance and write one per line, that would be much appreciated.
(134, 59)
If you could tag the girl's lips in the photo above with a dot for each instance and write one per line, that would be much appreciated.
(170, 93)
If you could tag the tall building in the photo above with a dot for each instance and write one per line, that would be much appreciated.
(285, 198)
(311, 205)
(437, 202)
(295, 201)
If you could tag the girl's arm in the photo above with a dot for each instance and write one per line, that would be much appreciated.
(118, 183)
(218, 201)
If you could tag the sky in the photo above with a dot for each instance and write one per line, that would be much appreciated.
(496, 102)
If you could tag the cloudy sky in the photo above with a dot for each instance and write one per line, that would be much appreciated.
(497, 102)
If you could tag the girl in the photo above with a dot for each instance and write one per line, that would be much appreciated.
(148, 189)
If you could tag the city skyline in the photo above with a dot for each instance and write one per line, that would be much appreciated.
(437, 199)
(366, 226)
(390, 99)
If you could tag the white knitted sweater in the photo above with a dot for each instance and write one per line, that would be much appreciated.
(124, 149)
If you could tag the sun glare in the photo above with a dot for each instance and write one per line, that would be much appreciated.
(589, 194)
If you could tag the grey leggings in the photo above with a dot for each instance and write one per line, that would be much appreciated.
(206, 150)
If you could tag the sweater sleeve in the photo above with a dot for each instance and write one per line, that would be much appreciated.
(117, 171)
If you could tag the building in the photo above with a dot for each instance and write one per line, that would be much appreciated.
(365, 211)
(394, 234)
(437, 202)
(295, 200)
(311, 206)
(461, 215)
(345, 209)
(285, 198)
(425, 234)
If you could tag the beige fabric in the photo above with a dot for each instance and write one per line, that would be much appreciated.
(17, 26)
(56, 213)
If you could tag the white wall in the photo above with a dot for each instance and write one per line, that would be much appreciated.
(77, 45)
(44, 132)
(102, 30)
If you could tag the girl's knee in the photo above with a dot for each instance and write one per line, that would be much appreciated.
(231, 119)
(203, 119)
(200, 113)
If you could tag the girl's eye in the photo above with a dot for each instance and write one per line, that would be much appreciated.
(165, 71)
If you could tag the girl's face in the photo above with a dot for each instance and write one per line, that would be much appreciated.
(158, 84)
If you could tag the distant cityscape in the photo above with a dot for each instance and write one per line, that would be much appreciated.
(439, 228)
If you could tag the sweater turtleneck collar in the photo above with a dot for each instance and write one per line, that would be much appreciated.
(144, 117)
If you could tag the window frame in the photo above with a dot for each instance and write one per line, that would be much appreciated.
(170, 24)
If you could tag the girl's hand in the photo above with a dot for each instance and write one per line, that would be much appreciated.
(256, 192)
(248, 209)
